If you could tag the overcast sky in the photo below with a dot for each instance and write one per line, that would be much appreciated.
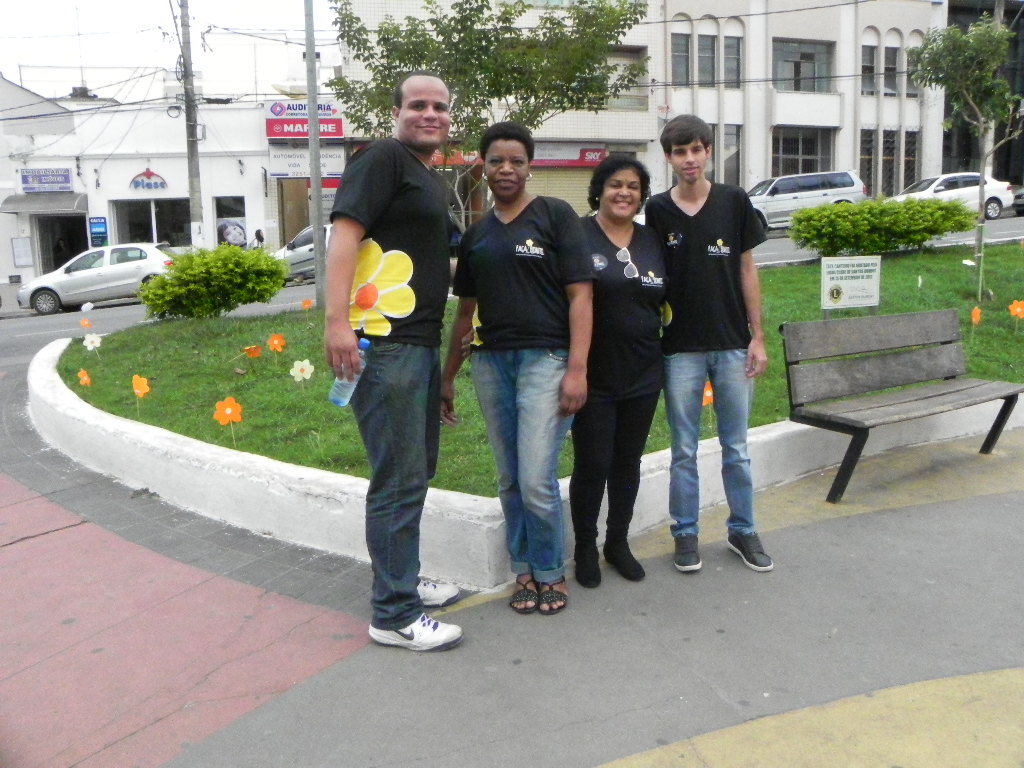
(132, 33)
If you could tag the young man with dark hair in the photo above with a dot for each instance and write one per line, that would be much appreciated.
(387, 280)
(713, 333)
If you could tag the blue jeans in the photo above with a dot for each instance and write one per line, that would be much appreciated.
(685, 374)
(518, 393)
(397, 406)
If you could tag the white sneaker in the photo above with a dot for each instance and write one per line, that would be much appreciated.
(437, 595)
(424, 634)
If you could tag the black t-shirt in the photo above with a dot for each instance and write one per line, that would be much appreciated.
(517, 272)
(401, 282)
(625, 351)
(705, 298)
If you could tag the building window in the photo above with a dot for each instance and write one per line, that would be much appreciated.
(802, 65)
(890, 77)
(153, 221)
(725, 162)
(680, 59)
(632, 98)
(912, 89)
(867, 69)
(910, 167)
(867, 156)
(733, 62)
(801, 150)
(706, 62)
(889, 151)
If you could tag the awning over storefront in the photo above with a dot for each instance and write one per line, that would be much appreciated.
(46, 202)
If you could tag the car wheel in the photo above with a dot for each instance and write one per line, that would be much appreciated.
(993, 208)
(45, 302)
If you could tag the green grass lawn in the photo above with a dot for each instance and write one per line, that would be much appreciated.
(192, 365)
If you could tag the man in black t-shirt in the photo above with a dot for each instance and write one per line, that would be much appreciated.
(387, 281)
(713, 332)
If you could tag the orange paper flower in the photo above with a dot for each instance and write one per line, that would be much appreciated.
(1017, 309)
(227, 411)
(276, 343)
(140, 385)
(253, 351)
(84, 322)
(83, 378)
(976, 315)
(307, 303)
(709, 396)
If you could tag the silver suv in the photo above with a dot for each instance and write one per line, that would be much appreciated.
(775, 200)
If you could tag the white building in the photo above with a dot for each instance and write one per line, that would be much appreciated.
(789, 86)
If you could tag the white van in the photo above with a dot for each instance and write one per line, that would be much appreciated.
(775, 200)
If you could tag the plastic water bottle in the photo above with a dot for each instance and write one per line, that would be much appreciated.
(342, 389)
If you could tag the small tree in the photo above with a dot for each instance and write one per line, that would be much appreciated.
(498, 66)
(967, 66)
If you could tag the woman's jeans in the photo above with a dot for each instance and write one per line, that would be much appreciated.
(685, 374)
(518, 392)
(397, 405)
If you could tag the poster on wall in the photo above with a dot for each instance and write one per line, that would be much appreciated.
(22, 247)
(232, 231)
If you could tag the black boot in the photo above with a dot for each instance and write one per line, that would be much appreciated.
(616, 552)
(588, 572)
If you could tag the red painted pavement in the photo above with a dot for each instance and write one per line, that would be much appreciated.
(113, 655)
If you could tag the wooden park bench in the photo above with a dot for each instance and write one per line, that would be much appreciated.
(842, 376)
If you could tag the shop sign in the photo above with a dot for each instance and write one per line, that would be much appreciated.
(46, 180)
(558, 155)
(290, 120)
(97, 231)
(148, 180)
(293, 162)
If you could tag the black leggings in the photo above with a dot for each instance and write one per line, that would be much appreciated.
(608, 438)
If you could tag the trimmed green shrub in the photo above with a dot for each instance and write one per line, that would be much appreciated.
(877, 226)
(203, 283)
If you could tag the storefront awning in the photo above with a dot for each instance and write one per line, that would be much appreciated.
(46, 202)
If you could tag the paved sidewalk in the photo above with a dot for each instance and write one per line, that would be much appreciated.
(890, 633)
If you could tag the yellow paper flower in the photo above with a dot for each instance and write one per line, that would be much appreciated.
(301, 370)
(380, 289)
(666, 314)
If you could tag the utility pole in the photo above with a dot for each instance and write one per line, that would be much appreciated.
(195, 197)
(316, 206)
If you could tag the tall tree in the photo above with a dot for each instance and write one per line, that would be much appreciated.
(966, 66)
(499, 63)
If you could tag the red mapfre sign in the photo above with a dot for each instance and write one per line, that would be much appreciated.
(298, 128)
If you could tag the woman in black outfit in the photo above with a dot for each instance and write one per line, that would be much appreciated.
(624, 370)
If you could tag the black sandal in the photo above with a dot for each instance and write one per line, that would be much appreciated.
(525, 595)
(549, 596)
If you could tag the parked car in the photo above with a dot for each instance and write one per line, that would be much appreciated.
(962, 187)
(1018, 202)
(298, 252)
(98, 274)
(777, 199)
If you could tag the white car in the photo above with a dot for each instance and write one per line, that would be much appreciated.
(98, 274)
(962, 187)
(298, 253)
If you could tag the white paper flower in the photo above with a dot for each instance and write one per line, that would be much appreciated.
(301, 369)
(92, 341)
(87, 306)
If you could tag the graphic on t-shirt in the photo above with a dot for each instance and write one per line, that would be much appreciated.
(600, 262)
(380, 289)
(529, 249)
(719, 248)
(477, 341)
(673, 239)
(666, 314)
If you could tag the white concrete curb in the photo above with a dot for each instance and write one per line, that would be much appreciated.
(463, 536)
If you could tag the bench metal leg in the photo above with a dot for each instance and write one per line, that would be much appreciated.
(997, 426)
(853, 451)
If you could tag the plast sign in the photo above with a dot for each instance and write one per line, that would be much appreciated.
(148, 180)
(290, 120)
